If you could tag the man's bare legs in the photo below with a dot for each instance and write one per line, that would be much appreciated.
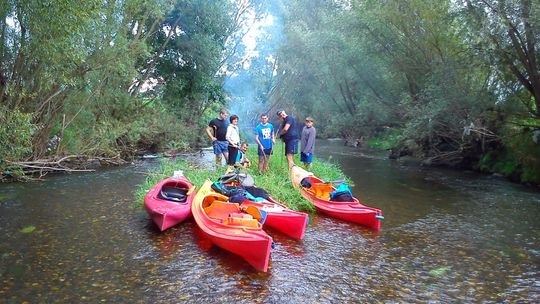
(290, 159)
(263, 164)
(218, 159)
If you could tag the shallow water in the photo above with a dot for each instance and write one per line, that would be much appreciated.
(448, 236)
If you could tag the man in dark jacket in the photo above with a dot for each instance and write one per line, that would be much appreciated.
(289, 135)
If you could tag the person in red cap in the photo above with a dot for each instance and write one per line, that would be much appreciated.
(289, 135)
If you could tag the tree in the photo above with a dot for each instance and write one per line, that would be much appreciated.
(512, 29)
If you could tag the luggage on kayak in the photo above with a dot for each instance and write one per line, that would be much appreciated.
(341, 194)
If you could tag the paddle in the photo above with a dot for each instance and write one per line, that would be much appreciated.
(336, 182)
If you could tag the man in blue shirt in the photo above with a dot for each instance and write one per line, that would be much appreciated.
(265, 138)
(289, 134)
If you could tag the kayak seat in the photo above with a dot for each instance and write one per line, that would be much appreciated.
(174, 194)
(242, 219)
(220, 210)
(209, 199)
(321, 190)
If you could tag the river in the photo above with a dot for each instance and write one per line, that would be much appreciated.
(448, 236)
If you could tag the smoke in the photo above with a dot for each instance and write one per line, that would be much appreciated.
(248, 87)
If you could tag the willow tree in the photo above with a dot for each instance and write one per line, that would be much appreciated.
(63, 60)
(42, 56)
(507, 33)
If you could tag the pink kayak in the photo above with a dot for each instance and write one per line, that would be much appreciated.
(319, 195)
(169, 202)
(226, 226)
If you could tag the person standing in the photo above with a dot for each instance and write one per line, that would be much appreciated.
(289, 135)
(265, 138)
(307, 142)
(233, 140)
(217, 130)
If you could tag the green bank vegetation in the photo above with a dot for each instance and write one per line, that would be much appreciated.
(455, 83)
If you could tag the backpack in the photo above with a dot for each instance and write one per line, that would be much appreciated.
(305, 182)
(226, 190)
(341, 194)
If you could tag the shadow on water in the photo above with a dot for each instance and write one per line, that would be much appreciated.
(448, 236)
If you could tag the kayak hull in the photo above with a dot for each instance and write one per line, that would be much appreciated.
(167, 213)
(352, 211)
(249, 242)
(281, 218)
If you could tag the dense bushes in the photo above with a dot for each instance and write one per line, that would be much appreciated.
(15, 135)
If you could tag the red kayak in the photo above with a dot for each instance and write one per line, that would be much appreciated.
(169, 202)
(277, 215)
(228, 227)
(319, 194)
(281, 218)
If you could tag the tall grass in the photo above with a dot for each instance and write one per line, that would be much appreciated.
(277, 182)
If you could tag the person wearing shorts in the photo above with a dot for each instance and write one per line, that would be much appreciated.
(289, 135)
(265, 138)
(217, 130)
(307, 143)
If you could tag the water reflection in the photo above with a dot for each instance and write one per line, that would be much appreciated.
(448, 237)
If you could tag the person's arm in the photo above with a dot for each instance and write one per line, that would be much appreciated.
(273, 136)
(210, 132)
(285, 128)
(228, 135)
(257, 138)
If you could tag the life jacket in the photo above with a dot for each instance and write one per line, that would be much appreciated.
(341, 194)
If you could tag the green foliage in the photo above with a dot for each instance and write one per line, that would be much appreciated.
(521, 159)
(28, 229)
(15, 135)
(526, 152)
(502, 163)
(77, 67)
(386, 139)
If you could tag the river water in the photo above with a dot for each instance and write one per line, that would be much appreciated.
(448, 236)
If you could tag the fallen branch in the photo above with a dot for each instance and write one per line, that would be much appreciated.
(27, 170)
(61, 168)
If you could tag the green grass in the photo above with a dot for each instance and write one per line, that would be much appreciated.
(388, 139)
(276, 182)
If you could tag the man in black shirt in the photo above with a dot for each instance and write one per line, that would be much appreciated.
(216, 130)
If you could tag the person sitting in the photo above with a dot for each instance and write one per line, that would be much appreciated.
(241, 159)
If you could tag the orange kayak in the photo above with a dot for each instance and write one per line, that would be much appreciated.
(226, 226)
